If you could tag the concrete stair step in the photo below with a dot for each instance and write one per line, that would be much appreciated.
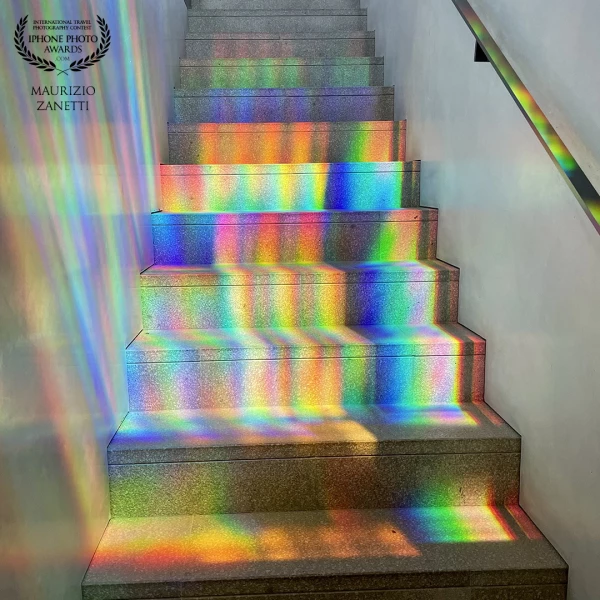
(426, 553)
(281, 143)
(283, 45)
(281, 72)
(310, 295)
(296, 187)
(273, 4)
(228, 368)
(282, 459)
(293, 237)
(287, 105)
(267, 432)
(276, 20)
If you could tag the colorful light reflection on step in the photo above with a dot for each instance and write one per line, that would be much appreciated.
(279, 424)
(408, 367)
(457, 524)
(298, 187)
(280, 143)
(211, 544)
(265, 240)
(245, 297)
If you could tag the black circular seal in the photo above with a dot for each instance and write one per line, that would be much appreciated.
(48, 65)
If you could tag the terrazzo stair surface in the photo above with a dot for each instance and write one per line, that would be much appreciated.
(273, 4)
(307, 416)
(263, 432)
(266, 105)
(299, 295)
(281, 72)
(276, 20)
(227, 368)
(427, 553)
(296, 187)
(314, 483)
(282, 459)
(277, 143)
(294, 237)
(283, 45)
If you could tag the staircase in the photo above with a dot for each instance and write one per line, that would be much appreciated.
(307, 418)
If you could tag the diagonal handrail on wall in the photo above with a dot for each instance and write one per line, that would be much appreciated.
(577, 180)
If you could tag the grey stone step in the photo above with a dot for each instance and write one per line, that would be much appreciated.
(288, 295)
(281, 72)
(276, 21)
(273, 4)
(229, 368)
(286, 105)
(383, 462)
(270, 143)
(432, 553)
(293, 237)
(252, 433)
(294, 187)
(283, 45)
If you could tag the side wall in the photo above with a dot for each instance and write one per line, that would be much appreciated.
(76, 191)
(529, 258)
(555, 47)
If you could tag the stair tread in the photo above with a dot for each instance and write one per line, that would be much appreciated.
(394, 166)
(370, 90)
(278, 216)
(283, 62)
(292, 126)
(335, 35)
(321, 551)
(293, 273)
(308, 431)
(265, 12)
(181, 345)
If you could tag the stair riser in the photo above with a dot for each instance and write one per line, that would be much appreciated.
(281, 76)
(274, 4)
(384, 304)
(285, 146)
(403, 381)
(281, 485)
(534, 592)
(285, 109)
(276, 23)
(279, 48)
(294, 243)
(280, 192)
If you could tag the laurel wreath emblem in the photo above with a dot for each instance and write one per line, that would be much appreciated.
(77, 65)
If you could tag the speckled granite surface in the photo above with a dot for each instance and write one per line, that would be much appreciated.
(307, 414)
(275, 553)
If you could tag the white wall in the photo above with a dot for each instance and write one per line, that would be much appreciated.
(529, 257)
(555, 47)
(76, 190)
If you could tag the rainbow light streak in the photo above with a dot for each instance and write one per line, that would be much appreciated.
(302, 423)
(298, 187)
(457, 524)
(77, 189)
(333, 302)
(280, 73)
(305, 366)
(279, 143)
(265, 242)
(215, 543)
(580, 184)
(214, 540)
